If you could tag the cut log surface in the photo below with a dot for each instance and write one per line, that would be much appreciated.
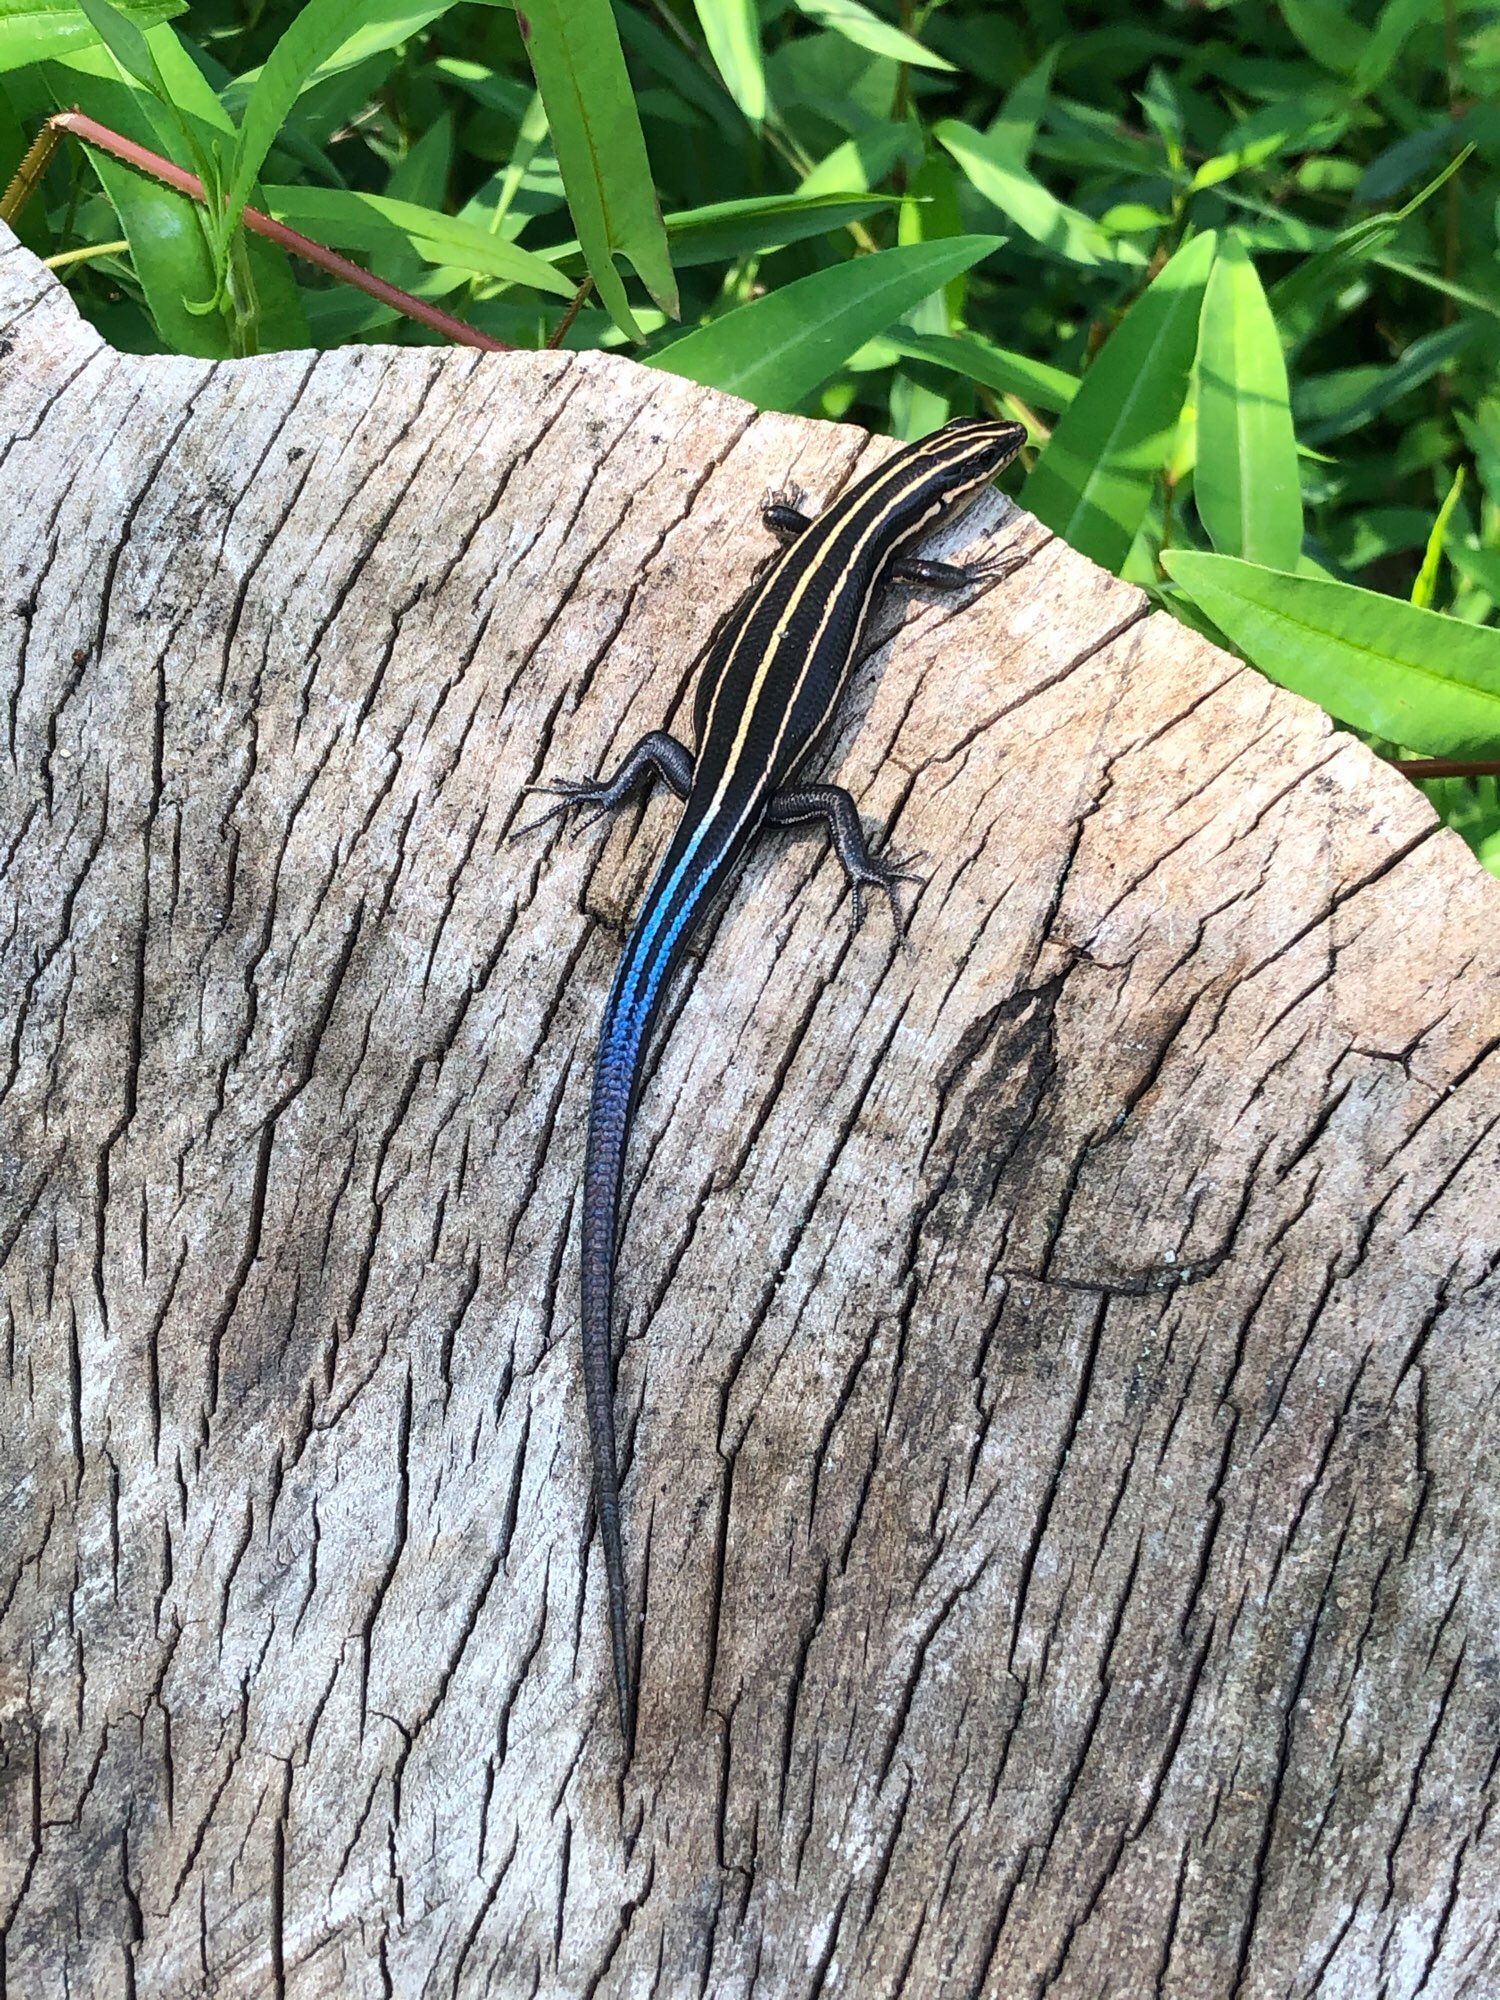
(1058, 1359)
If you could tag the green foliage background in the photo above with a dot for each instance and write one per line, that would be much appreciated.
(1235, 266)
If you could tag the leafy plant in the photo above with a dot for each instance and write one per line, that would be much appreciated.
(1234, 268)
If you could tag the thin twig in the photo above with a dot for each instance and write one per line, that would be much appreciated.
(171, 175)
(1447, 767)
(574, 306)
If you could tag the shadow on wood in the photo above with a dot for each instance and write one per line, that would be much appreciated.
(1058, 1382)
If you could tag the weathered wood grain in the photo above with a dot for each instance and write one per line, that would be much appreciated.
(1060, 1375)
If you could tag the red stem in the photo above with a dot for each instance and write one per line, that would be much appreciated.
(172, 176)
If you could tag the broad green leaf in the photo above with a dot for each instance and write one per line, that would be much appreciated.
(778, 349)
(1093, 482)
(35, 30)
(732, 30)
(345, 220)
(1008, 374)
(1246, 483)
(193, 126)
(315, 33)
(1399, 20)
(1412, 677)
(1021, 198)
(867, 31)
(124, 40)
(596, 131)
(1425, 588)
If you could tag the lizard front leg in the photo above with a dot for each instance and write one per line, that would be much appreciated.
(657, 754)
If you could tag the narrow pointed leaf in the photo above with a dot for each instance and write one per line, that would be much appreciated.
(1247, 486)
(1414, 677)
(866, 30)
(596, 132)
(778, 349)
(1062, 231)
(1093, 482)
(996, 368)
(732, 30)
(346, 220)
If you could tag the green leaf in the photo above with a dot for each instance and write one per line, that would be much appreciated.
(1325, 30)
(725, 230)
(1412, 677)
(1425, 588)
(1012, 130)
(321, 27)
(728, 229)
(1347, 400)
(1276, 129)
(862, 161)
(1093, 482)
(1246, 482)
(35, 30)
(732, 30)
(867, 31)
(170, 256)
(1399, 20)
(345, 220)
(125, 42)
(596, 131)
(778, 349)
(1064, 232)
(997, 368)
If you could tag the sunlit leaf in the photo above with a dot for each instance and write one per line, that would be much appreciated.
(1412, 677)
(867, 30)
(776, 350)
(732, 30)
(1246, 481)
(1024, 202)
(1094, 480)
(596, 131)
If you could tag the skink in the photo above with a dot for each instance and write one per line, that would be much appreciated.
(768, 688)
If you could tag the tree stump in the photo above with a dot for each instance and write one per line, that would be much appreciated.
(1057, 1388)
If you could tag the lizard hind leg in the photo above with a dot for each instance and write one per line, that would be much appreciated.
(656, 755)
(833, 805)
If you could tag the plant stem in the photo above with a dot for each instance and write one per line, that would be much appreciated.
(66, 257)
(28, 175)
(1447, 767)
(575, 304)
(171, 175)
